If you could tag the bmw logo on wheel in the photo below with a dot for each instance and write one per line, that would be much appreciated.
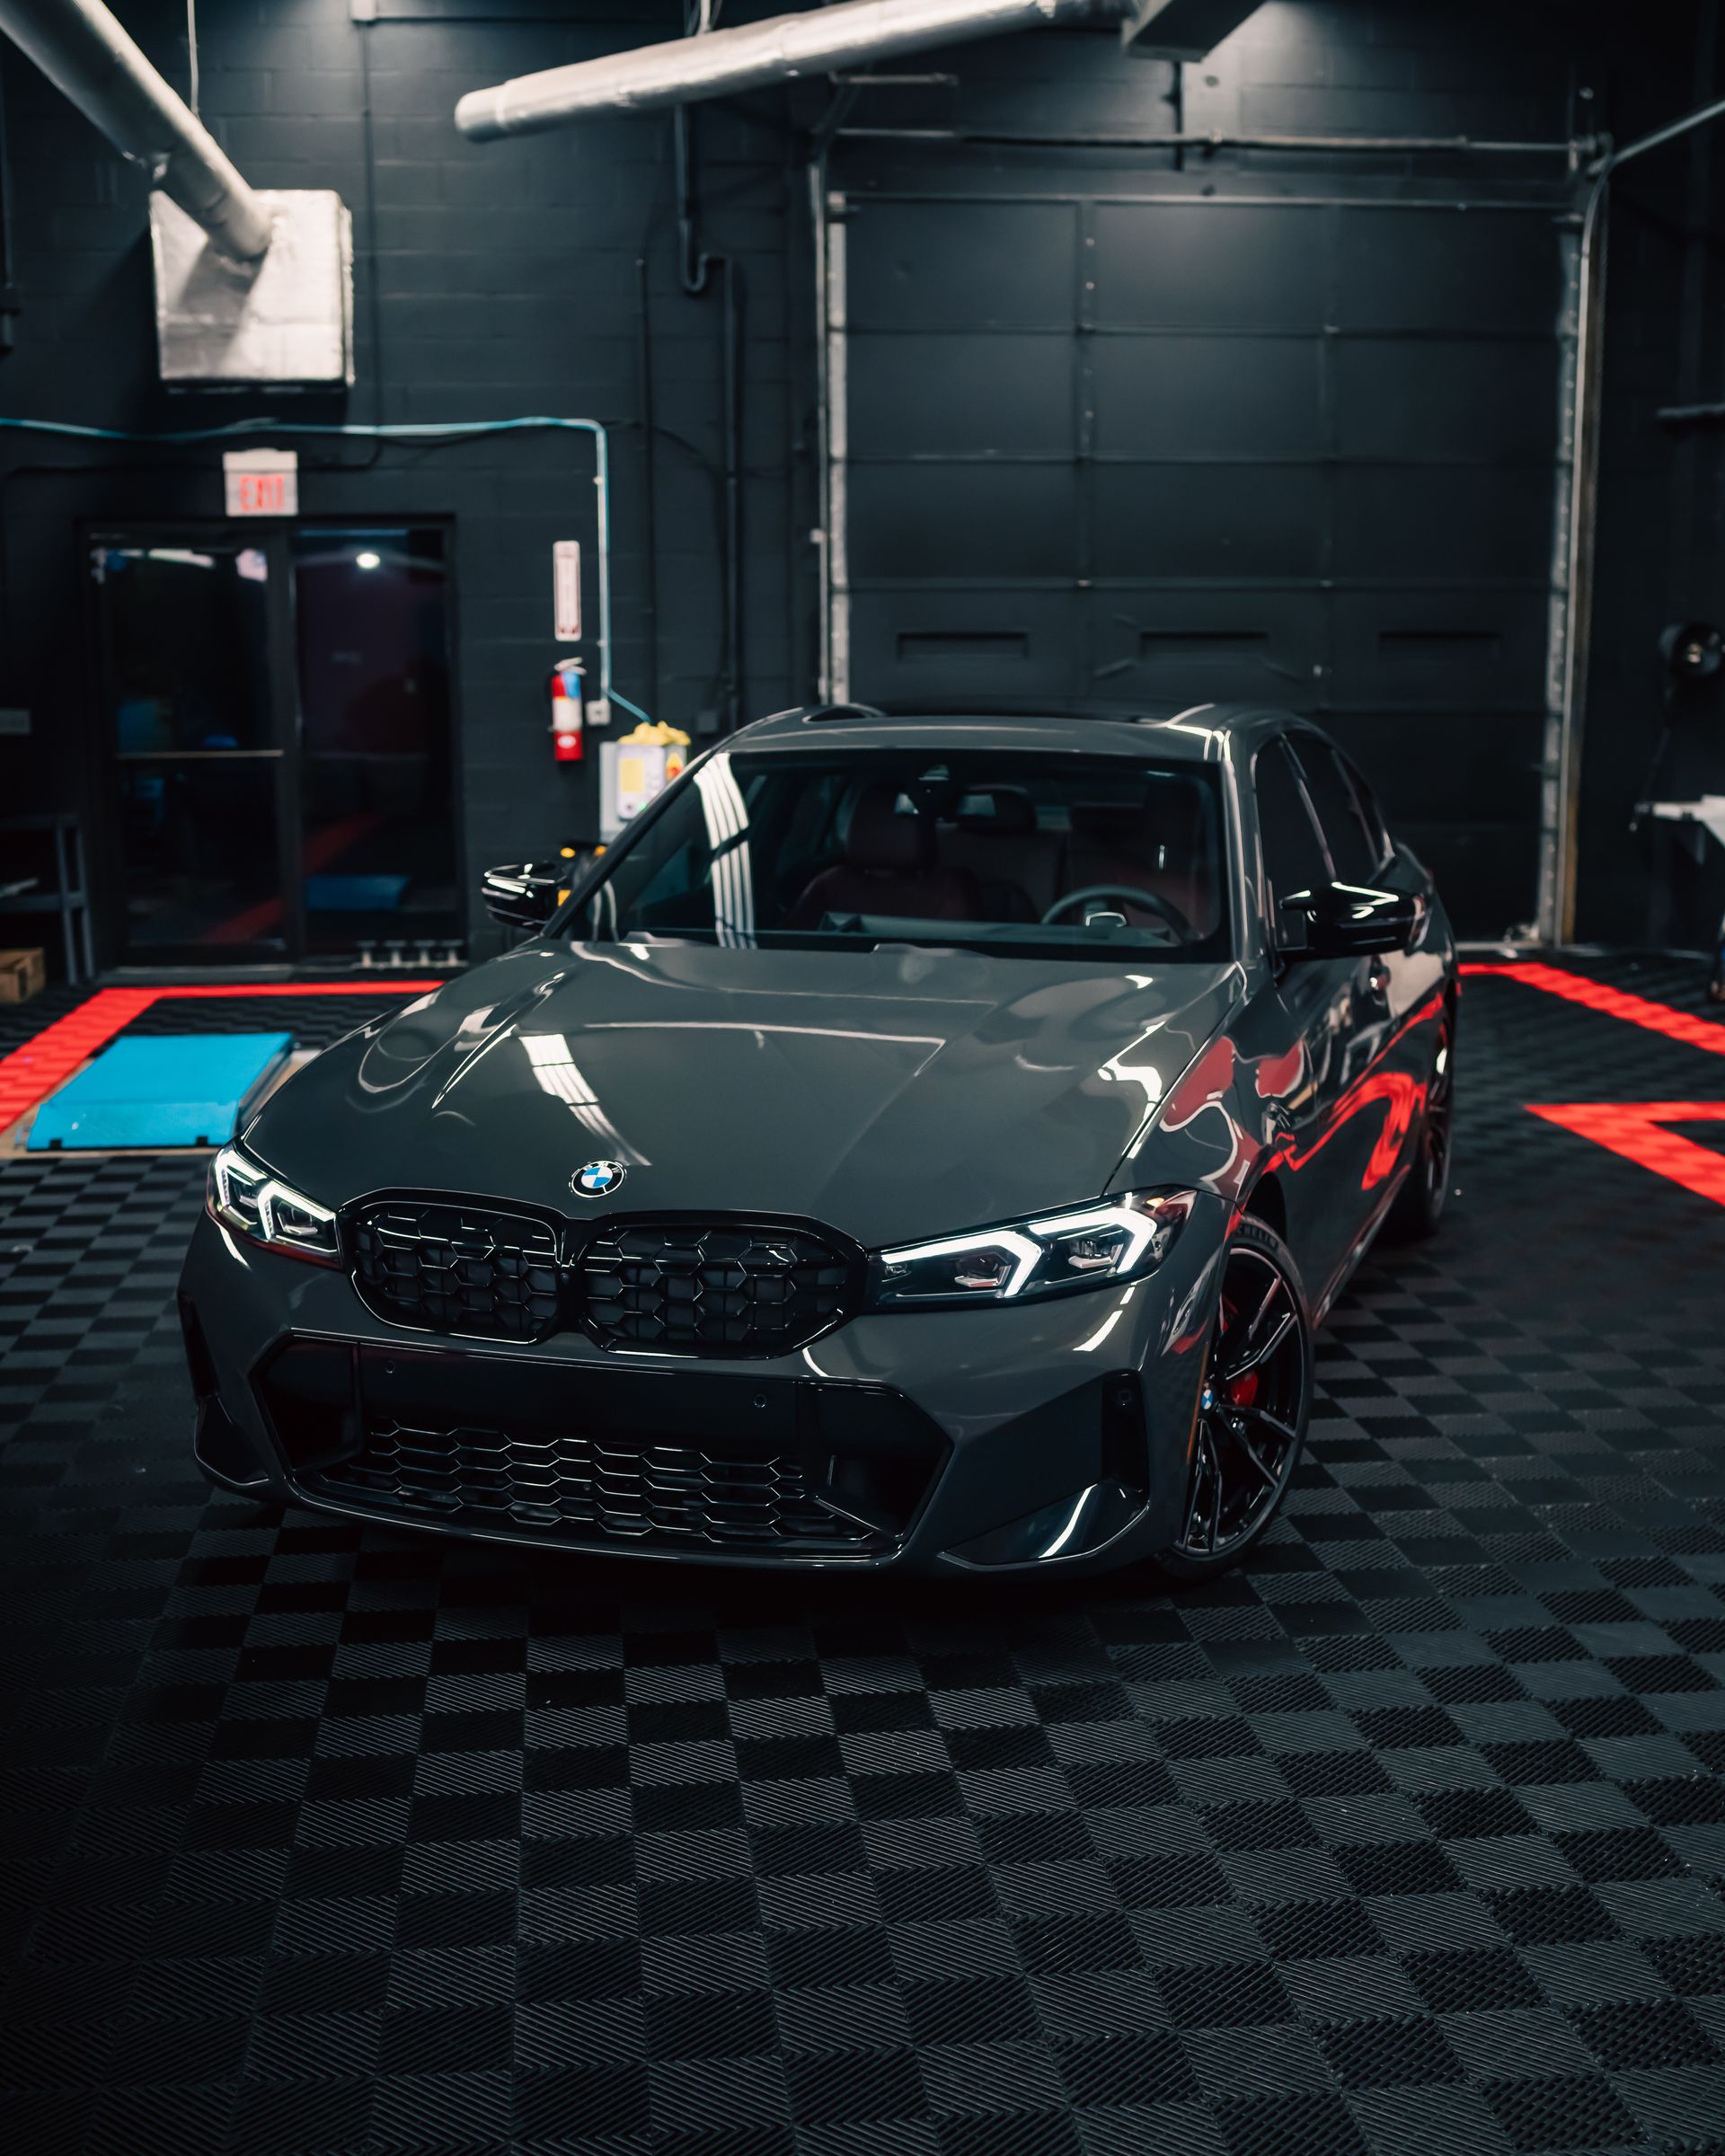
(598, 1179)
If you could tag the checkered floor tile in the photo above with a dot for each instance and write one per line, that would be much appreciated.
(1407, 1839)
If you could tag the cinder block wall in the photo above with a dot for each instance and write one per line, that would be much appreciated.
(500, 280)
(492, 281)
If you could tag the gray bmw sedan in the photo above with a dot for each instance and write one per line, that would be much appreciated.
(922, 1142)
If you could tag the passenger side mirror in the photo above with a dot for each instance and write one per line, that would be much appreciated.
(525, 895)
(1346, 921)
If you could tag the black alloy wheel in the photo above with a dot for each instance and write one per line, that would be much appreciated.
(1252, 1410)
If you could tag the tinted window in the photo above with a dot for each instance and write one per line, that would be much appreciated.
(1370, 809)
(1353, 845)
(1068, 856)
(1293, 857)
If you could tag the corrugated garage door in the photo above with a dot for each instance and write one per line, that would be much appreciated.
(1293, 451)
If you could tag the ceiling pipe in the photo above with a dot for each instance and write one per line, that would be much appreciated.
(86, 54)
(753, 55)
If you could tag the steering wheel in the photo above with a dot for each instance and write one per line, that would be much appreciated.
(1154, 900)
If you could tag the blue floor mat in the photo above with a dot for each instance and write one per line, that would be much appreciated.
(181, 1089)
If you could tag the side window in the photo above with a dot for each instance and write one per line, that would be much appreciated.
(1370, 810)
(1353, 845)
(1293, 855)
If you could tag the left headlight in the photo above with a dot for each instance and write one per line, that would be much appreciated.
(1090, 1246)
(255, 1204)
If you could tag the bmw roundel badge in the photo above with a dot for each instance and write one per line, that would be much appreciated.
(598, 1179)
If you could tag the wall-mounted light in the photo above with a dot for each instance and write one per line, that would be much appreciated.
(367, 561)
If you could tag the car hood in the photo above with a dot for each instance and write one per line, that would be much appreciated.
(892, 1094)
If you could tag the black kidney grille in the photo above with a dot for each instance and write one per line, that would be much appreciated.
(712, 1290)
(459, 1269)
(581, 1489)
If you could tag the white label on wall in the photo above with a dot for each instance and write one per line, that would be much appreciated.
(14, 722)
(261, 482)
(566, 589)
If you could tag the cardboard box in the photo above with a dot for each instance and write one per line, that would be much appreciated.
(22, 974)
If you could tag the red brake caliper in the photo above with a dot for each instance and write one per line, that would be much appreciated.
(1238, 1391)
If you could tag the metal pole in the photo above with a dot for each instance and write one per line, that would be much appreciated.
(86, 54)
(1563, 766)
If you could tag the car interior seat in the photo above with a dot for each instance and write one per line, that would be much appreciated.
(888, 867)
(993, 835)
(1165, 845)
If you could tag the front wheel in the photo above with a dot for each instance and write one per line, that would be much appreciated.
(1252, 1408)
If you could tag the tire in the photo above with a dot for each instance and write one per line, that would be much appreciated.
(1249, 1431)
(1418, 1212)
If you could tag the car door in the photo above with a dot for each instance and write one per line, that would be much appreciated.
(1324, 1150)
(1391, 1047)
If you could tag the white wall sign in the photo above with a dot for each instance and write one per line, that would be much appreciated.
(261, 482)
(566, 589)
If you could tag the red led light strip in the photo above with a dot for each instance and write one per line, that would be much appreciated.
(30, 1073)
(1615, 1002)
(1635, 1130)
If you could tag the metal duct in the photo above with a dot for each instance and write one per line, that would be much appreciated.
(719, 62)
(86, 54)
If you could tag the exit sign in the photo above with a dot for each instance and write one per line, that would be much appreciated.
(261, 482)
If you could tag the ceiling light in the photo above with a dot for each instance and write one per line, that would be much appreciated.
(367, 561)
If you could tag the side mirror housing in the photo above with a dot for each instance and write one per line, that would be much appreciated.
(524, 895)
(1347, 921)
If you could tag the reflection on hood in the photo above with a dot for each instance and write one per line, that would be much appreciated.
(888, 1093)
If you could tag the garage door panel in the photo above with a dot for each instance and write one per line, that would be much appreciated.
(1436, 524)
(1456, 765)
(1430, 269)
(1487, 871)
(1446, 399)
(1260, 647)
(1207, 396)
(961, 265)
(1209, 265)
(963, 520)
(948, 395)
(936, 647)
(1440, 651)
(1207, 520)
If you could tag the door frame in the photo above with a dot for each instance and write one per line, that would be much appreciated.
(284, 720)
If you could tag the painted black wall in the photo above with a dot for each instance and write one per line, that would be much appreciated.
(500, 280)
(491, 282)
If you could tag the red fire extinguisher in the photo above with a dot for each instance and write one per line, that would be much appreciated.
(565, 685)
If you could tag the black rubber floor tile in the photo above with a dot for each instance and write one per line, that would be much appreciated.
(1406, 1837)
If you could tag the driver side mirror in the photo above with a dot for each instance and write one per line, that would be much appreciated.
(1346, 921)
(525, 895)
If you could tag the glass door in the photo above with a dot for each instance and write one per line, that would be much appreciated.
(376, 837)
(191, 728)
(276, 731)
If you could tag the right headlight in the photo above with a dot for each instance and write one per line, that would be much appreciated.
(1086, 1246)
(247, 1198)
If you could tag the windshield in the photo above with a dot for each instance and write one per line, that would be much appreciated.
(1039, 853)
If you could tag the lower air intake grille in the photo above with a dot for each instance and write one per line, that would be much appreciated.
(712, 1290)
(459, 1269)
(586, 1489)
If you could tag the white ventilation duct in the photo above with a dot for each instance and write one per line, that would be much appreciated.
(88, 56)
(251, 288)
(721, 62)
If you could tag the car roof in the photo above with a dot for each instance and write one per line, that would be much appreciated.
(1189, 732)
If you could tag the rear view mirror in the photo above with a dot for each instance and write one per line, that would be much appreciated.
(1347, 921)
(526, 895)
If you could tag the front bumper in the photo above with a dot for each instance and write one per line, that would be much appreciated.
(1045, 1435)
